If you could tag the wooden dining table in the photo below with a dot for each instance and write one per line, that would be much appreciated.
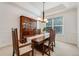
(36, 38)
(45, 34)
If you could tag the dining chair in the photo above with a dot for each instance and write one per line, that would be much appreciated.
(18, 48)
(48, 45)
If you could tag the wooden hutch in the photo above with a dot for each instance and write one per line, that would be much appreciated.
(27, 27)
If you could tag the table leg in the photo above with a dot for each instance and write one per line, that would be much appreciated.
(43, 49)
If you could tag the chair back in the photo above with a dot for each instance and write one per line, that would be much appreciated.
(15, 41)
(50, 42)
(52, 36)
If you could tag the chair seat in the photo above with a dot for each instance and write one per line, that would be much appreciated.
(46, 43)
(25, 49)
(24, 44)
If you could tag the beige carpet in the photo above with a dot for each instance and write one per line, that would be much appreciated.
(61, 49)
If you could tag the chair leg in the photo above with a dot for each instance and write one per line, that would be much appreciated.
(32, 48)
(13, 53)
(54, 43)
(43, 50)
(52, 47)
(32, 52)
(49, 51)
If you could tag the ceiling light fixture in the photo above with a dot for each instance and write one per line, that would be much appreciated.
(43, 19)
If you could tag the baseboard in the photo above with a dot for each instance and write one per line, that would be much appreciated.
(3, 46)
(67, 42)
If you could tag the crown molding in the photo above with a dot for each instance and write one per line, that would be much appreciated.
(60, 11)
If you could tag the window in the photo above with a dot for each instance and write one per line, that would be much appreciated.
(49, 24)
(58, 25)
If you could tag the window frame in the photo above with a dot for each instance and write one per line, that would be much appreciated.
(59, 25)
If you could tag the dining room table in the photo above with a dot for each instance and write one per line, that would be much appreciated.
(36, 38)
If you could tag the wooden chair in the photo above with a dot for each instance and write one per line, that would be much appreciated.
(18, 48)
(48, 45)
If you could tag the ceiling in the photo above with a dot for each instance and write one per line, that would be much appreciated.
(50, 7)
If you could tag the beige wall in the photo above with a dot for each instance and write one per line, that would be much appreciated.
(78, 25)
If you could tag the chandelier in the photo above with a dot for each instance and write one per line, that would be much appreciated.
(43, 19)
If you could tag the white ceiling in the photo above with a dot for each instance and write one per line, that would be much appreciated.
(50, 7)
